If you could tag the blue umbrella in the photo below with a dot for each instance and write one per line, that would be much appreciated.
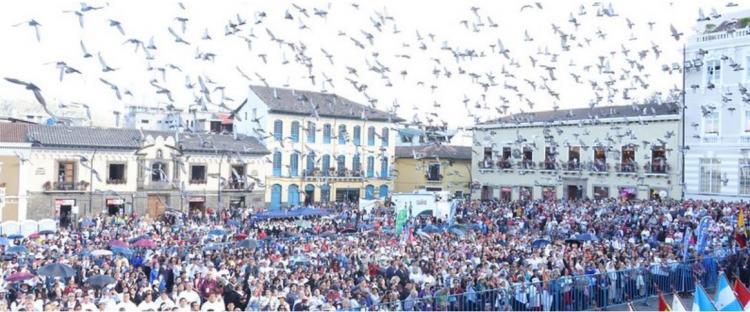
(587, 237)
(4, 241)
(18, 249)
(87, 223)
(15, 236)
(140, 237)
(457, 231)
(233, 222)
(122, 251)
(56, 270)
(46, 232)
(539, 243)
(217, 232)
(247, 243)
(431, 229)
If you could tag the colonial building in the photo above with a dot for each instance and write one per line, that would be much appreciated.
(13, 154)
(84, 171)
(163, 119)
(717, 114)
(616, 151)
(433, 168)
(324, 147)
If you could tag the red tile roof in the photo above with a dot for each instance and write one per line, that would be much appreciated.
(13, 132)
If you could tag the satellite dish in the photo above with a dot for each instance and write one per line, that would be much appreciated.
(51, 122)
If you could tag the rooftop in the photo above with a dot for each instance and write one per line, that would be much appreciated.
(115, 138)
(432, 150)
(301, 102)
(615, 111)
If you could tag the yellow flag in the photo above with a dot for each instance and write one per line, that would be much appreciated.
(741, 221)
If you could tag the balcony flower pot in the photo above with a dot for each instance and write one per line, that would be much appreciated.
(47, 186)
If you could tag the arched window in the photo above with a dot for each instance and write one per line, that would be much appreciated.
(369, 191)
(293, 165)
(275, 203)
(340, 165)
(276, 164)
(293, 195)
(357, 135)
(158, 172)
(295, 131)
(310, 132)
(326, 166)
(355, 165)
(342, 134)
(384, 191)
(278, 130)
(370, 166)
(384, 137)
(371, 136)
(310, 164)
(325, 193)
(384, 168)
(327, 134)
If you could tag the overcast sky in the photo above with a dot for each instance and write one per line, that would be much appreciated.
(423, 92)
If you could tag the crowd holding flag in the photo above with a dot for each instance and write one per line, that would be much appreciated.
(663, 305)
(677, 304)
(743, 295)
(701, 301)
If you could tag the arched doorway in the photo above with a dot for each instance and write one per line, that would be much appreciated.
(293, 197)
(275, 197)
(309, 195)
(325, 193)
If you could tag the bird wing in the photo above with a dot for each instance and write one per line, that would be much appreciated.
(16, 81)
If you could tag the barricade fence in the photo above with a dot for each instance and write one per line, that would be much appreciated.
(578, 292)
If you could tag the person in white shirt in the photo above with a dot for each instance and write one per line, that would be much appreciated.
(189, 294)
(148, 303)
(127, 304)
(87, 304)
(164, 299)
(212, 304)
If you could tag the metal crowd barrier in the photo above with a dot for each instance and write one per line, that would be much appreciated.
(577, 292)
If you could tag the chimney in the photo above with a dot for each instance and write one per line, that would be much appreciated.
(276, 94)
(117, 119)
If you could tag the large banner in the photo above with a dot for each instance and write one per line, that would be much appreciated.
(402, 214)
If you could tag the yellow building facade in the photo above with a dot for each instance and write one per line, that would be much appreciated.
(433, 168)
(323, 147)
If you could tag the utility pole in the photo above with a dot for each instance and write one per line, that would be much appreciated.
(91, 182)
(682, 150)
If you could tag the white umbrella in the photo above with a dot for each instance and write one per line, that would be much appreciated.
(101, 252)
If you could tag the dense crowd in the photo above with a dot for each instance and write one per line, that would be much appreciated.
(349, 259)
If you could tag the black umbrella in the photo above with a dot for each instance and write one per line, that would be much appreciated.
(56, 270)
(248, 243)
(100, 281)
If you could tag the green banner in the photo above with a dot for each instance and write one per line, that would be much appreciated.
(401, 217)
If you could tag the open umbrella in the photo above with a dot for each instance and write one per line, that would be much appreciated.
(539, 243)
(233, 222)
(145, 243)
(101, 252)
(19, 276)
(457, 231)
(46, 232)
(431, 229)
(217, 233)
(348, 230)
(34, 235)
(4, 241)
(587, 237)
(118, 243)
(87, 223)
(240, 236)
(248, 244)
(140, 237)
(122, 251)
(100, 281)
(56, 270)
(15, 236)
(18, 249)
(212, 247)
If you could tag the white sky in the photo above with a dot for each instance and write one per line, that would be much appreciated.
(26, 59)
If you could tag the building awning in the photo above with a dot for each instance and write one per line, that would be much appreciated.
(197, 199)
(226, 119)
(115, 201)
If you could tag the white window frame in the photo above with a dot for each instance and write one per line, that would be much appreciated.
(744, 129)
(719, 81)
(746, 59)
(713, 166)
(718, 124)
(740, 164)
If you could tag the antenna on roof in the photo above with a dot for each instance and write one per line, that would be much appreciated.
(276, 94)
(293, 93)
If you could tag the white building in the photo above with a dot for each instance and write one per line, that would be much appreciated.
(151, 118)
(717, 117)
(627, 151)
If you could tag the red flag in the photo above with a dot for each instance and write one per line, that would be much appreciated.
(740, 238)
(663, 305)
(743, 295)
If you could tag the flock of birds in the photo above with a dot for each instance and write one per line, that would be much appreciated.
(498, 79)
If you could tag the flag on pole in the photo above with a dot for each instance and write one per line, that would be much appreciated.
(702, 302)
(743, 295)
(630, 307)
(702, 233)
(741, 221)
(686, 244)
(663, 305)
(677, 304)
(725, 298)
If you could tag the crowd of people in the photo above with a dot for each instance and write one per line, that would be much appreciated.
(521, 255)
